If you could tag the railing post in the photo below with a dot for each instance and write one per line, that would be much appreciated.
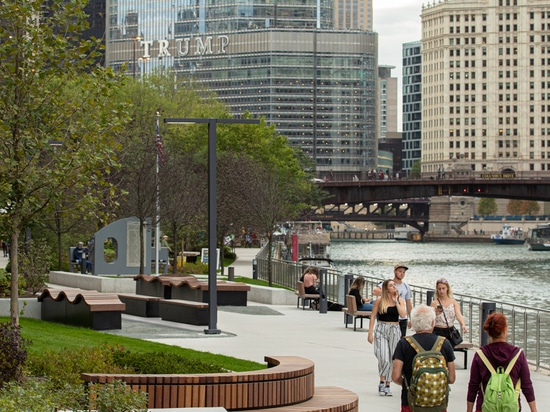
(323, 304)
(430, 297)
(348, 280)
(254, 268)
(486, 309)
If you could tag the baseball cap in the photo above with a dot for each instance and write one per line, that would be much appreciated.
(399, 265)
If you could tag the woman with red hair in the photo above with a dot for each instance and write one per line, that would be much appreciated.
(499, 353)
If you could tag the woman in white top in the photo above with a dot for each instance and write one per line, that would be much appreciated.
(446, 307)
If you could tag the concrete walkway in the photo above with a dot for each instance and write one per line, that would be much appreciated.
(342, 357)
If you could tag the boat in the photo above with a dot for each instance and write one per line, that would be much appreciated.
(308, 240)
(509, 236)
(538, 238)
(406, 233)
(323, 263)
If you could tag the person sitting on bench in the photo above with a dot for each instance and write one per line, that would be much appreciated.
(81, 252)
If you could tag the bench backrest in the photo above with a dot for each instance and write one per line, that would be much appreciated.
(71, 253)
(351, 303)
(301, 288)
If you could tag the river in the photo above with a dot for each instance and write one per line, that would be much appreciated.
(506, 273)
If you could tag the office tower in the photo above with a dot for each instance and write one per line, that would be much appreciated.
(282, 61)
(412, 105)
(486, 87)
(355, 14)
(387, 92)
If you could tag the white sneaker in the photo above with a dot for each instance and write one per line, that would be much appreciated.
(381, 389)
(387, 391)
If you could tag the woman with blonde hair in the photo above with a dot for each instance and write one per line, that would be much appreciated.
(388, 308)
(447, 309)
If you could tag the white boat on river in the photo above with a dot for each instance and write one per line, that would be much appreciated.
(509, 236)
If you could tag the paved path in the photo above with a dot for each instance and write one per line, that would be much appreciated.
(342, 357)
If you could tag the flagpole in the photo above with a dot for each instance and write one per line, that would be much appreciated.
(157, 234)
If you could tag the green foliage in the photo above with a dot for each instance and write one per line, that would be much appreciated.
(522, 207)
(162, 363)
(13, 353)
(33, 395)
(487, 207)
(43, 395)
(116, 397)
(5, 284)
(416, 169)
(198, 268)
(65, 366)
(34, 261)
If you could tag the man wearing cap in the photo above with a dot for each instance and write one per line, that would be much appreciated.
(404, 291)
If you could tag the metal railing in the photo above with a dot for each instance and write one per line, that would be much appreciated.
(527, 325)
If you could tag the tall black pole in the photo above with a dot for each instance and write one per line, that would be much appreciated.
(212, 232)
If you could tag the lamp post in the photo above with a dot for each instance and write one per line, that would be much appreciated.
(135, 61)
(212, 212)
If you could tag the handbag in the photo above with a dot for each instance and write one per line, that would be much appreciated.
(454, 335)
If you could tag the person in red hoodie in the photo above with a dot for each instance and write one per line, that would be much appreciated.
(500, 353)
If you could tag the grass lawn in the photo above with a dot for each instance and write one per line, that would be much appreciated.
(47, 336)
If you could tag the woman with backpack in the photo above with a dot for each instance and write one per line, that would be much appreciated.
(498, 355)
(388, 308)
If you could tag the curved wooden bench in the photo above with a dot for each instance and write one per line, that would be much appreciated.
(463, 347)
(188, 287)
(325, 399)
(78, 307)
(288, 380)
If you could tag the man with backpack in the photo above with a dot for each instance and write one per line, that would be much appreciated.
(423, 364)
(499, 370)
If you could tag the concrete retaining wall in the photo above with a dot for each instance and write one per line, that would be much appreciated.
(28, 308)
(271, 296)
(120, 284)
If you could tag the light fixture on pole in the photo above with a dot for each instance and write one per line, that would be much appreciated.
(212, 212)
(135, 61)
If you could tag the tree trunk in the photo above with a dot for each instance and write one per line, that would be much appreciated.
(269, 258)
(14, 263)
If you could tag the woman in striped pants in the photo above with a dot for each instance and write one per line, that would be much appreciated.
(387, 333)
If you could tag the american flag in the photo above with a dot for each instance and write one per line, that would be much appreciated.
(160, 147)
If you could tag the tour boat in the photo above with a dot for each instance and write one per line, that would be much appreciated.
(509, 236)
(538, 238)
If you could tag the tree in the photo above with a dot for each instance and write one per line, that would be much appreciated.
(57, 117)
(487, 207)
(530, 207)
(514, 207)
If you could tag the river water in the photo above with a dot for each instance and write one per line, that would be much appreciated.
(506, 273)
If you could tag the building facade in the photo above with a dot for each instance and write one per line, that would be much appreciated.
(412, 105)
(355, 14)
(486, 86)
(283, 61)
(387, 92)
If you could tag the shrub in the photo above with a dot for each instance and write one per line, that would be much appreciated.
(161, 363)
(5, 284)
(66, 366)
(34, 264)
(13, 353)
(45, 396)
(193, 268)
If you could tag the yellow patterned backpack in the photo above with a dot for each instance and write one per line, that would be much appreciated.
(428, 390)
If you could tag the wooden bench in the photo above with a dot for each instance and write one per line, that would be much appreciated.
(351, 310)
(141, 305)
(304, 297)
(184, 311)
(74, 266)
(188, 287)
(78, 307)
(325, 399)
(288, 380)
(463, 347)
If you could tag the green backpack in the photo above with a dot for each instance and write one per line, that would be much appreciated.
(428, 389)
(500, 394)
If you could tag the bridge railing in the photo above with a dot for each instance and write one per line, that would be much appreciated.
(528, 327)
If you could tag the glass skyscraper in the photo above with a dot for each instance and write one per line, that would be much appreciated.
(281, 60)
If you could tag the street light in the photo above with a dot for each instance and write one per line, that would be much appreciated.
(135, 61)
(212, 212)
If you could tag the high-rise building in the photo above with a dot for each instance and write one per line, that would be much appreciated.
(283, 61)
(355, 14)
(412, 105)
(387, 93)
(486, 86)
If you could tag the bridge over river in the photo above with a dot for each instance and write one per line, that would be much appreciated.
(408, 200)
